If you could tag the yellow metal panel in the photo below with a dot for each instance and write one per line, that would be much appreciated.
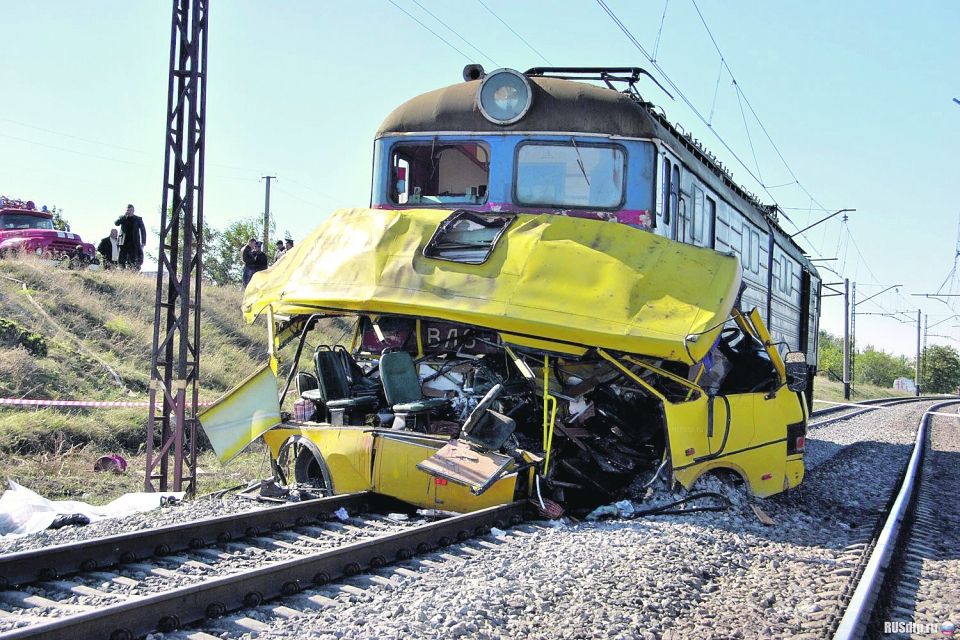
(396, 475)
(239, 416)
(756, 445)
(767, 341)
(347, 452)
(555, 278)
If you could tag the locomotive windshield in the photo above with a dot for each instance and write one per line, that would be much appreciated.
(435, 173)
(20, 221)
(570, 175)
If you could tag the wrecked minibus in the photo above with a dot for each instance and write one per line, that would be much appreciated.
(522, 313)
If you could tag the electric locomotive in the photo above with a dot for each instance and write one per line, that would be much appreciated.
(554, 294)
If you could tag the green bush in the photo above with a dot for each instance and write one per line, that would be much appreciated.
(14, 334)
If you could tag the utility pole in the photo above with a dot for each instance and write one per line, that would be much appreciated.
(917, 392)
(923, 352)
(266, 215)
(853, 337)
(846, 338)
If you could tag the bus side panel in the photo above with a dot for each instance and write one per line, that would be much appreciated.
(396, 475)
(346, 452)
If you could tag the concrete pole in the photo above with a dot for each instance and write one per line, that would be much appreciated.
(917, 393)
(266, 215)
(853, 337)
(846, 338)
(923, 351)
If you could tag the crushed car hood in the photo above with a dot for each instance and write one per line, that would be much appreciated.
(556, 278)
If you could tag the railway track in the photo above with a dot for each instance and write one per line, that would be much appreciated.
(171, 577)
(830, 415)
(876, 569)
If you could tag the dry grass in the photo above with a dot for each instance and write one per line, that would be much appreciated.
(94, 321)
(69, 475)
(824, 389)
(101, 321)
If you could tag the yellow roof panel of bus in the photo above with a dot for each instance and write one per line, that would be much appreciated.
(559, 278)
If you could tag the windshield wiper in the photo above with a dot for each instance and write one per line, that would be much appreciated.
(580, 161)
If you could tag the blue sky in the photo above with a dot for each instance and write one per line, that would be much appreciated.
(857, 97)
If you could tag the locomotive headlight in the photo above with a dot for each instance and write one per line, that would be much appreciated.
(505, 96)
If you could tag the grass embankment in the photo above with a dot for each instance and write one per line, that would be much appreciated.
(824, 389)
(81, 335)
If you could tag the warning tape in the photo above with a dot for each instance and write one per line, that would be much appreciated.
(37, 402)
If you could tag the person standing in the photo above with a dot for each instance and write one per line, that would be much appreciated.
(279, 251)
(133, 236)
(259, 258)
(109, 248)
(249, 260)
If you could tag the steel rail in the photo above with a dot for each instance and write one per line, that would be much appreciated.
(874, 401)
(171, 610)
(860, 608)
(50, 563)
(880, 403)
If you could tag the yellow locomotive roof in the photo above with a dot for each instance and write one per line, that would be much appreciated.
(555, 278)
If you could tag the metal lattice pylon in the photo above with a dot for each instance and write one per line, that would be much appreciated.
(175, 362)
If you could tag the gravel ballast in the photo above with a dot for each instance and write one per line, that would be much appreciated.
(722, 575)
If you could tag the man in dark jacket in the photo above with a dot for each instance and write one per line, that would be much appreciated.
(248, 255)
(133, 236)
(259, 258)
(109, 248)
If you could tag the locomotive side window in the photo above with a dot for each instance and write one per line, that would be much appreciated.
(675, 191)
(439, 173)
(696, 221)
(570, 175)
(712, 220)
(666, 191)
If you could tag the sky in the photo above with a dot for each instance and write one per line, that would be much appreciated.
(856, 97)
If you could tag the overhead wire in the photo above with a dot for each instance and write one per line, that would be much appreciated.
(749, 138)
(749, 105)
(513, 31)
(454, 32)
(663, 17)
(636, 43)
(438, 36)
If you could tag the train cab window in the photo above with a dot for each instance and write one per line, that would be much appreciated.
(439, 173)
(571, 174)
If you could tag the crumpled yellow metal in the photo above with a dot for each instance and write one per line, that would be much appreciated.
(568, 280)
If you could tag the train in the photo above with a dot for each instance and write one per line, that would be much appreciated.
(553, 295)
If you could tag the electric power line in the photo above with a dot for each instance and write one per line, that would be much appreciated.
(438, 36)
(750, 106)
(513, 31)
(454, 32)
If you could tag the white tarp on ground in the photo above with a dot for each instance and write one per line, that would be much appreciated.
(24, 511)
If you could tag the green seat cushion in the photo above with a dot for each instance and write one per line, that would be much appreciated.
(349, 403)
(420, 405)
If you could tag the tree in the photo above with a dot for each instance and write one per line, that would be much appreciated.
(941, 369)
(221, 257)
(880, 368)
(59, 222)
(830, 361)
